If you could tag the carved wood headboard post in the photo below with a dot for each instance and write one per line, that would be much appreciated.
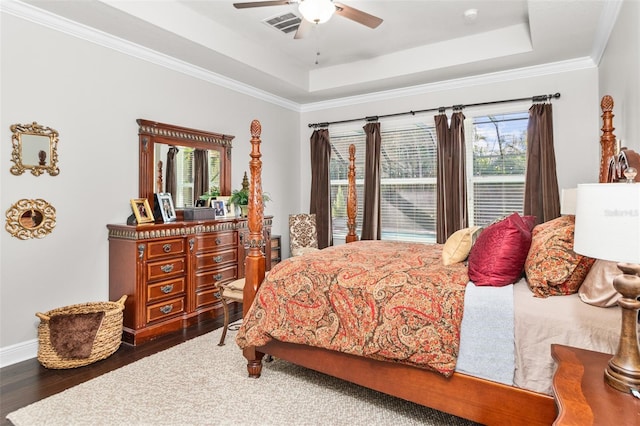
(607, 139)
(352, 198)
(255, 261)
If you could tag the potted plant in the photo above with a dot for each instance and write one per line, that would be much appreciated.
(240, 197)
(213, 192)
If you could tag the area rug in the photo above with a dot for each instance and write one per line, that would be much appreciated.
(200, 383)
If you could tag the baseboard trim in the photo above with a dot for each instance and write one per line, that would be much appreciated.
(19, 352)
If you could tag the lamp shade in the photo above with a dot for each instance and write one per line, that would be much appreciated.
(608, 221)
(317, 11)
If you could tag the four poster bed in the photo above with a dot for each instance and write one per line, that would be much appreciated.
(408, 305)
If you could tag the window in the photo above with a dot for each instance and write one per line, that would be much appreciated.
(496, 161)
(184, 164)
(496, 172)
(185, 172)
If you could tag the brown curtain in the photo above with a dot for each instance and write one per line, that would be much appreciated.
(200, 173)
(371, 218)
(321, 186)
(541, 195)
(451, 186)
(171, 178)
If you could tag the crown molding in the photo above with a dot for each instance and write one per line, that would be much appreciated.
(84, 32)
(458, 83)
(607, 21)
(39, 16)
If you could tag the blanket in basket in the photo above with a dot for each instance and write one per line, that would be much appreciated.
(379, 299)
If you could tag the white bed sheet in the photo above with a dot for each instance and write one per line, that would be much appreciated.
(507, 333)
(565, 320)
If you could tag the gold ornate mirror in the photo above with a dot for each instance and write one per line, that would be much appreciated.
(30, 219)
(35, 148)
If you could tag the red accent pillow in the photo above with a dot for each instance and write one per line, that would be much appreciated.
(497, 258)
(530, 221)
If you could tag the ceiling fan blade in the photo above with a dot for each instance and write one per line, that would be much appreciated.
(249, 4)
(357, 15)
(304, 29)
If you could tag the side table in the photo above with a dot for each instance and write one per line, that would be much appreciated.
(582, 395)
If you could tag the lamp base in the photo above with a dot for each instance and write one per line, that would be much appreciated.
(623, 371)
(621, 379)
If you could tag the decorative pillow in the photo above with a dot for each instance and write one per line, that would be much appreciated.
(457, 247)
(552, 267)
(497, 258)
(597, 288)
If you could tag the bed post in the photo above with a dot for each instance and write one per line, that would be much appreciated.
(255, 260)
(352, 197)
(607, 139)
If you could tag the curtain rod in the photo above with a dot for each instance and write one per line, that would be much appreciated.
(539, 98)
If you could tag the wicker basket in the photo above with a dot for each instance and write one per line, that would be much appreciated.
(106, 342)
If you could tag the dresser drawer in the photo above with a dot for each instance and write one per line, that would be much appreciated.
(215, 259)
(164, 269)
(217, 240)
(215, 276)
(207, 297)
(165, 248)
(166, 309)
(165, 289)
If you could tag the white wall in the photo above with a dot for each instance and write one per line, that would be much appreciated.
(575, 116)
(620, 74)
(92, 96)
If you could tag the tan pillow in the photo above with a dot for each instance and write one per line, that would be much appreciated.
(457, 247)
(597, 288)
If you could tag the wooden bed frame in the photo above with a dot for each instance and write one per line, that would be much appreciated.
(462, 395)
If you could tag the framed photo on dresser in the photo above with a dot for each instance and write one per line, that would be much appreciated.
(142, 210)
(164, 203)
(220, 207)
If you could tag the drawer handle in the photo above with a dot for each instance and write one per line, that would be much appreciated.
(167, 288)
(218, 259)
(167, 268)
(166, 309)
(217, 277)
(218, 241)
(166, 248)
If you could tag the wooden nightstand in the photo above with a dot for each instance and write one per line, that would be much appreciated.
(581, 394)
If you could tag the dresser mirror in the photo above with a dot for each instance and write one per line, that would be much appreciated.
(171, 156)
(35, 148)
(30, 219)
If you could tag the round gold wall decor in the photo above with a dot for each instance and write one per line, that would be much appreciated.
(30, 219)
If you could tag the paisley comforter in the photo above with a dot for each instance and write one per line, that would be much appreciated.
(386, 300)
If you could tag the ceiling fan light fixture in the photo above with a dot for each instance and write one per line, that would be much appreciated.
(317, 11)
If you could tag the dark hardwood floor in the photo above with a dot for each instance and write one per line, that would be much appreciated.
(26, 382)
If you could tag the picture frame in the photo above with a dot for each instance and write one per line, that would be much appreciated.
(220, 207)
(201, 203)
(164, 205)
(227, 205)
(142, 210)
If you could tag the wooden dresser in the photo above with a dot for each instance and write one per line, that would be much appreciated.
(169, 271)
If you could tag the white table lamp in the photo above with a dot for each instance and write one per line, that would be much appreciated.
(608, 227)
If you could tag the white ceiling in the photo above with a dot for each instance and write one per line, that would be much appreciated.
(419, 42)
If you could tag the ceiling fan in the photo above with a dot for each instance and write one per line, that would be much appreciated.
(317, 12)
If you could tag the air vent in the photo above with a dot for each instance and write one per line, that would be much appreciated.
(286, 23)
